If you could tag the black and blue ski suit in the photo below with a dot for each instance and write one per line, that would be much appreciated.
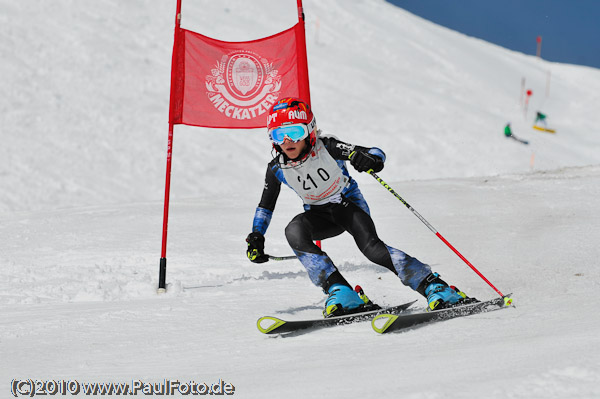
(333, 204)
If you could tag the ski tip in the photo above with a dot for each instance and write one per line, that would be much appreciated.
(382, 322)
(268, 324)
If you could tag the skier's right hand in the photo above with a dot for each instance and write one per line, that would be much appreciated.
(256, 248)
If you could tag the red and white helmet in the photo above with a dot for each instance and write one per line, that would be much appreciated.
(291, 118)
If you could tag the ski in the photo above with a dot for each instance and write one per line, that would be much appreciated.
(543, 129)
(274, 325)
(385, 323)
(519, 140)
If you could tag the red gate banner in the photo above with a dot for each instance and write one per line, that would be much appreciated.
(233, 84)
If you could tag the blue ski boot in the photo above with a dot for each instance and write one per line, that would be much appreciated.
(343, 300)
(440, 295)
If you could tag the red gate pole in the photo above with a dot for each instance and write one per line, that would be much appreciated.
(162, 273)
(302, 57)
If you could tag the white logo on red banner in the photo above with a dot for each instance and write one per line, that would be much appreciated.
(243, 85)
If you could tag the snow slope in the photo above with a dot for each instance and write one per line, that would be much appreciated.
(86, 86)
(83, 120)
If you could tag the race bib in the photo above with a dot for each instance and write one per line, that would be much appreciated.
(317, 179)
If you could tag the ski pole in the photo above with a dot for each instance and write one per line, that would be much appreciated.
(507, 301)
(282, 257)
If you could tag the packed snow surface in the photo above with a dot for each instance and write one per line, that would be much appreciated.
(83, 118)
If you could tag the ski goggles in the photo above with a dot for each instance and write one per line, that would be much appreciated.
(293, 132)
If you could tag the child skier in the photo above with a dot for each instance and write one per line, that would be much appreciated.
(541, 118)
(313, 166)
(509, 134)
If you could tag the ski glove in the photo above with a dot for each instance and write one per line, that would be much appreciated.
(363, 161)
(256, 248)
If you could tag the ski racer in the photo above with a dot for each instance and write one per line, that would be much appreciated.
(314, 167)
(508, 130)
(541, 118)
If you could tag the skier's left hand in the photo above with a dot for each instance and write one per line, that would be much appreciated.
(363, 161)
(256, 248)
